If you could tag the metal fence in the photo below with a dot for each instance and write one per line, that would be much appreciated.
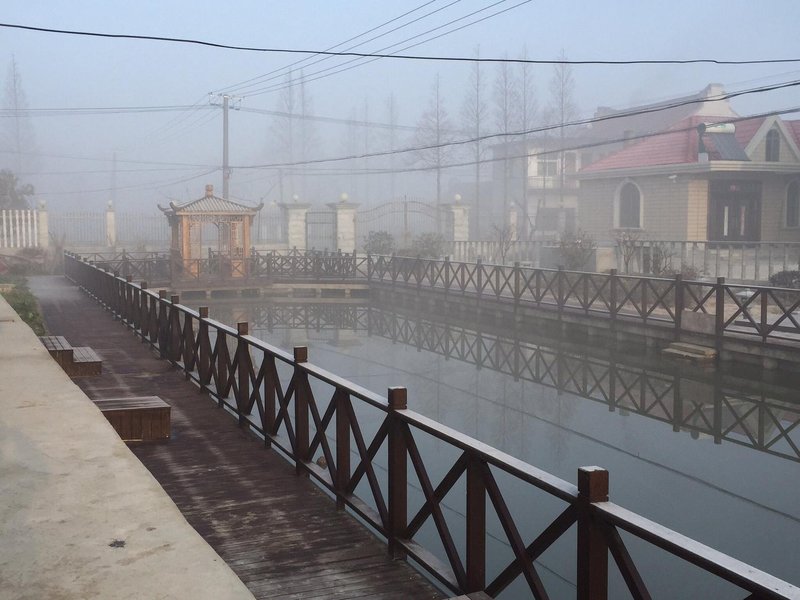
(19, 228)
(135, 230)
(742, 261)
(79, 228)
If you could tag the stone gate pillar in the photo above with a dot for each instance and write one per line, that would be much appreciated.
(43, 226)
(457, 219)
(294, 223)
(111, 226)
(345, 224)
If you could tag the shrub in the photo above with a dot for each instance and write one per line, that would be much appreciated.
(428, 245)
(576, 249)
(786, 279)
(379, 242)
(24, 303)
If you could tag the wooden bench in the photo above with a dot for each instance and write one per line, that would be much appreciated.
(137, 419)
(80, 361)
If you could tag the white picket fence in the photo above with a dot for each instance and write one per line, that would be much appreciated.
(19, 228)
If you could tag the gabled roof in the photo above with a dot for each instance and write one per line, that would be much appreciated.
(679, 144)
(210, 204)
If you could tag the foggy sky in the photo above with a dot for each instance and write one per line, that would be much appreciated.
(73, 164)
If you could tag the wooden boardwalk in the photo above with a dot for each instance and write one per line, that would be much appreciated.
(281, 535)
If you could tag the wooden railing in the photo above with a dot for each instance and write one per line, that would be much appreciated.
(304, 410)
(719, 308)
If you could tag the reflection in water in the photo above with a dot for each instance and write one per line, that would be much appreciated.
(678, 441)
(722, 407)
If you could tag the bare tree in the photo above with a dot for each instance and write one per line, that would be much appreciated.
(503, 117)
(391, 140)
(562, 104)
(526, 105)
(474, 114)
(18, 132)
(434, 130)
(293, 135)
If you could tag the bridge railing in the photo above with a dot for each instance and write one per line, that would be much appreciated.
(718, 308)
(306, 411)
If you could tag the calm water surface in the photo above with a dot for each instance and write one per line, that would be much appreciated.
(712, 455)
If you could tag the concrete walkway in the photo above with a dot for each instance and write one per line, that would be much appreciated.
(80, 517)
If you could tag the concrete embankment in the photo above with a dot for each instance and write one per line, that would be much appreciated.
(80, 517)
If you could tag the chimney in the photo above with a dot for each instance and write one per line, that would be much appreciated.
(209, 190)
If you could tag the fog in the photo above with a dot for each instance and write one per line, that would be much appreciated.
(134, 121)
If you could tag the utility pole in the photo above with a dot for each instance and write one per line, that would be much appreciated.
(226, 101)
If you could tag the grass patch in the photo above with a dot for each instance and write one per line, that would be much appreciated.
(23, 302)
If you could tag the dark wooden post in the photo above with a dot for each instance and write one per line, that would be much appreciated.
(719, 312)
(476, 527)
(143, 311)
(517, 284)
(243, 368)
(204, 348)
(678, 306)
(592, 549)
(613, 305)
(221, 384)
(300, 410)
(398, 472)
(342, 447)
(127, 315)
(189, 349)
(174, 330)
(764, 308)
(162, 323)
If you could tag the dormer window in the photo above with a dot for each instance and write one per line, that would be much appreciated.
(773, 153)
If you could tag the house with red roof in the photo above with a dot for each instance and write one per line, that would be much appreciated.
(708, 175)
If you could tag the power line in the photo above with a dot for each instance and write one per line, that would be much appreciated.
(399, 56)
(142, 186)
(360, 62)
(542, 129)
(90, 110)
(252, 81)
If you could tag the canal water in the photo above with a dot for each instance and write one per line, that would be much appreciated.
(712, 454)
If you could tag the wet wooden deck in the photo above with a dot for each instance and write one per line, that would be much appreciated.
(281, 535)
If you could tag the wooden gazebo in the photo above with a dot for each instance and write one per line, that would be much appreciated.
(224, 224)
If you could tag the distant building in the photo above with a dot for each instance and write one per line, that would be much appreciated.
(708, 175)
(735, 190)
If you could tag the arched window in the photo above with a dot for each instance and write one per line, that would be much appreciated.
(629, 207)
(773, 153)
(793, 204)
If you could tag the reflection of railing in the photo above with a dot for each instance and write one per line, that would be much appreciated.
(720, 308)
(304, 410)
(757, 420)
(748, 417)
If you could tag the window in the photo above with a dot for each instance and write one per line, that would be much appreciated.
(773, 153)
(629, 207)
(547, 167)
(793, 204)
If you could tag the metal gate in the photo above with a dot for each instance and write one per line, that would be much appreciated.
(404, 219)
(321, 230)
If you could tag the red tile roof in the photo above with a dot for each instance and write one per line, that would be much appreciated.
(679, 145)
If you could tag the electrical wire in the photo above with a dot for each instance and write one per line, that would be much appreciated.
(398, 56)
(542, 129)
(342, 66)
(260, 78)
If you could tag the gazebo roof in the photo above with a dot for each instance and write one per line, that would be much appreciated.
(210, 205)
